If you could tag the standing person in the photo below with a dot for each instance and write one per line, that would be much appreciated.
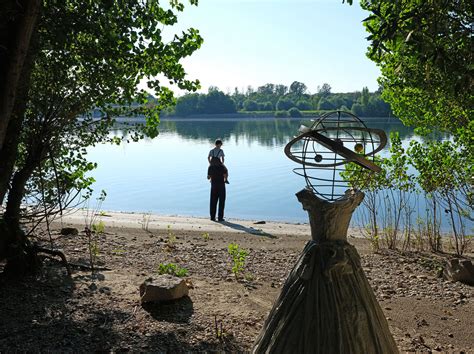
(216, 152)
(217, 173)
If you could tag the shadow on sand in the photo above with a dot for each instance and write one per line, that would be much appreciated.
(249, 230)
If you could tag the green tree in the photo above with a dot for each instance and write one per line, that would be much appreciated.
(250, 105)
(281, 90)
(294, 112)
(266, 106)
(284, 104)
(365, 96)
(83, 55)
(424, 51)
(266, 90)
(325, 105)
(324, 90)
(297, 88)
(216, 102)
(358, 109)
(304, 105)
(187, 105)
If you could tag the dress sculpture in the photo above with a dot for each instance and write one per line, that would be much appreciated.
(326, 304)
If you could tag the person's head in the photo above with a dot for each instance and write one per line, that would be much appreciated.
(218, 143)
(215, 161)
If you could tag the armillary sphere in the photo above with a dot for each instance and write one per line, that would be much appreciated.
(332, 141)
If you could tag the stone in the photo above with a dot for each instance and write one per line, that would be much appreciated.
(163, 288)
(461, 270)
(69, 231)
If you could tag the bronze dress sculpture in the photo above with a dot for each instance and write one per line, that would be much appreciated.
(326, 304)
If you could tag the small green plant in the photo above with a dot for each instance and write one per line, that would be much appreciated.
(238, 256)
(172, 269)
(220, 333)
(205, 236)
(93, 230)
(433, 265)
(98, 228)
(118, 251)
(94, 248)
(146, 221)
(249, 276)
(171, 237)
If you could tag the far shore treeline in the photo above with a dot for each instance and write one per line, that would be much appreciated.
(280, 101)
(272, 100)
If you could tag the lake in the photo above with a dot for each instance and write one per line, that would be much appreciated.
(167, 175)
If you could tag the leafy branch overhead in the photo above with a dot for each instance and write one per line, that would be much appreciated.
(84, 55)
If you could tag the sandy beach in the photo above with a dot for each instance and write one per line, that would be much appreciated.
(184, 223)
(101, 311)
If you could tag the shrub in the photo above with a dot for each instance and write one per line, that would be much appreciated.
(250, 105)
(238, 256)
(281, 114)
(172, 269)
(295, 112)
(284, 104)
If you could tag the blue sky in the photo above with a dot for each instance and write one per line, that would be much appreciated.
(254, 42)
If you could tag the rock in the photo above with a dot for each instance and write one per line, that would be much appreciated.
(69, 231)
(461, 270)
(163, 288)
(105, 290)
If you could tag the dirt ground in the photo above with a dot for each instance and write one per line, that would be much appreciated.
(101, 312)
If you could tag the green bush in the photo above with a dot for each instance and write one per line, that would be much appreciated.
(295, 112)
(172, 269)
(239, 256)
(281, 114)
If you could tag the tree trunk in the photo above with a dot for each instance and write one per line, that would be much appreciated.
(326, 304)
(14, 245)
(17, 60)
(9, 151)
(19, 22)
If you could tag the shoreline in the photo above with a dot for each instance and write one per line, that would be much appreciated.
(147, 221)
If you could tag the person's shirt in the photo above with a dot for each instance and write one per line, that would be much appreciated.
(217, 173)
(216, 152)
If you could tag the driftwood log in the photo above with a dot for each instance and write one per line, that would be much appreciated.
(326, 304)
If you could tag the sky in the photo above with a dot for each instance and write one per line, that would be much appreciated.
(255, 42)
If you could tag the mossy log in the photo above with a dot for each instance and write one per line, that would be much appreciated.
(326, 304)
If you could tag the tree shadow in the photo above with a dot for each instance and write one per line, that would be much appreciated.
(176, 311)
(249, 230)
(177, 342)
(55, 313)
(42, 313)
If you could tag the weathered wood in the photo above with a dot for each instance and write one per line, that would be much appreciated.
(326, 304)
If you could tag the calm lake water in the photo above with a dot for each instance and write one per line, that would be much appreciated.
(167, 175)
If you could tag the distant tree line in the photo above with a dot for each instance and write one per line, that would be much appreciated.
(282, 101)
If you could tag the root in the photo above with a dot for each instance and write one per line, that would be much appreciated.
(51, 253)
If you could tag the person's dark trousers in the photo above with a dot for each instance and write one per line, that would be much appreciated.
(217, 195)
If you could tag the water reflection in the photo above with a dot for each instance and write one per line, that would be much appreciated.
(267, 132)
(167, 175)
